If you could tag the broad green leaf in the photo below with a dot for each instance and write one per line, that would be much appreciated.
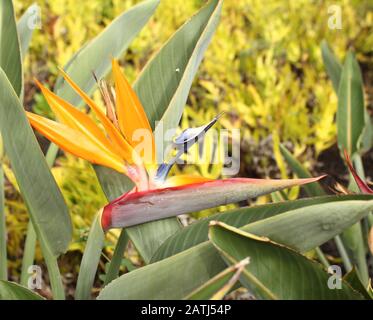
(113, 183)
(287, 229)
(96, 55)
(332, 65)
(354, 280)
(138, 207)
(334, 70)
(10, 54)
(164, 84)
(13, 291)
(149, 236)
(312, 189)
(90, 260)
(221, 284)
(302, 228)
(172, 278)
(350, 113)
(196, 233)
(275, 271)
(44, 200)
(25, 28)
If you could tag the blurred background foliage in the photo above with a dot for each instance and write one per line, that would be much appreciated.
(263, 68)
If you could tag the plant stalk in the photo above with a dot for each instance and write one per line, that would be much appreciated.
(28, 253)
(30, 245)
(353, 236)
(343, 253)
(322, 257)
(115, 262)
(54, 274)
(51, 154)
(3, 253)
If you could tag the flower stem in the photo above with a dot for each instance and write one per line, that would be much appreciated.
(117, 257)
(322, 257)
(343, 253)
(3, 253)
(28, 253)
(54, 274)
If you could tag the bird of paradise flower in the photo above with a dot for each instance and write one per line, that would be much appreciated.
(155, 196)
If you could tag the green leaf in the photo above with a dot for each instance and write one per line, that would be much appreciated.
(172, 278)
(24, 30)
(10, 54)
(44, 200)
(302, 229)
(332, 65)
(275, 271)
(173, 69)
(196, 233)
(312, 189)
(334, 70)
(354, 280)
(316, 226)
(13, 291)
(148, 237)
(126, 263)
(221, 284)
(90, 260)
(367, 135)
(96, 55)
(350, 113)
(113, 183)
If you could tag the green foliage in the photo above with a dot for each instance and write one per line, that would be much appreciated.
(13, 291)
(302, 229)
(44, 200)
(296, 276)
(10, 55)
(272, 85)
(351, 109)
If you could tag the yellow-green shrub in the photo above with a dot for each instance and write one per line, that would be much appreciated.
(264, 65)
(82, 193)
